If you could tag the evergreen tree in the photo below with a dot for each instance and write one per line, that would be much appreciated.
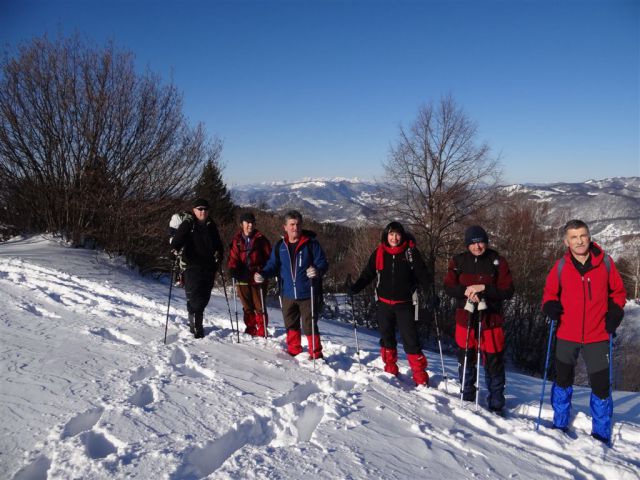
(211, 186)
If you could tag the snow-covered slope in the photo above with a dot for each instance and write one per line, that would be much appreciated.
(89, 390)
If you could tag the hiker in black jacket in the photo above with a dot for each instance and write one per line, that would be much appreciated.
(398, 268)
(199, 239)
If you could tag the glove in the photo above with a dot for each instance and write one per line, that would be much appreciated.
(613, 318)
(312, 272)
(553, 309)
(233, 273)
(258, 278)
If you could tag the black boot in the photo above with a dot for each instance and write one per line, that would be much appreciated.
(192, 325)
(199, 333)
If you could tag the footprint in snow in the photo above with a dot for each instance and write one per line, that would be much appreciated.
(81, 422)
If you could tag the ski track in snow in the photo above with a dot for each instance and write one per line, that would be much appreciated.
(213, 408)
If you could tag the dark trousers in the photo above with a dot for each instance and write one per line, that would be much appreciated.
(596, 358)
(297, 312)
(400, 316)
(198, 283)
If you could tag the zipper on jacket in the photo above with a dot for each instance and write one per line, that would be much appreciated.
(589, 287)
(393, 274)
(584, 308)
(293, 273)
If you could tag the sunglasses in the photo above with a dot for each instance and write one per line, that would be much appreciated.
(202, 209)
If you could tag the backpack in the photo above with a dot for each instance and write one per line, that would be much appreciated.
(174, 224)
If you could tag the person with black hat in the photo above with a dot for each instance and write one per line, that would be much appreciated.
(479, 280)
(398, 267)
(249, 252)
(202, 250)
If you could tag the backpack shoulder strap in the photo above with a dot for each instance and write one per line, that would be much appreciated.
(559, 270)
(607, 262)
(276, 248)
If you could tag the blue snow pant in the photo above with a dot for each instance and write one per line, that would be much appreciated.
(596, 357)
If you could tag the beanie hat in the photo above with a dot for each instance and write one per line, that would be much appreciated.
(475, 234)
(248, 217)
(200, 202)
(393, 227)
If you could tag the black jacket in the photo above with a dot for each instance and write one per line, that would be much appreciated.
(201, 244)
(399, 277)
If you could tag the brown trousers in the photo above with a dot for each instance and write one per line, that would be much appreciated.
(250, 297)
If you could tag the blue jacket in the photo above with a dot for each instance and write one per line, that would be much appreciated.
(293, 278)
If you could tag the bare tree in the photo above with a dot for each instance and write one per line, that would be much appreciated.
(85, 140)
(437, 174)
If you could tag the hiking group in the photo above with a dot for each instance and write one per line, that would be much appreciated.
(583, 295)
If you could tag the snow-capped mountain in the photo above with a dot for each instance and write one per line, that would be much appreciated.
(326, 200)
(611, 206)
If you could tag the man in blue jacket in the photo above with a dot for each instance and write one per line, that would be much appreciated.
(299, 261)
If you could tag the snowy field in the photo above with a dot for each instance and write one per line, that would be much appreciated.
(89, 391)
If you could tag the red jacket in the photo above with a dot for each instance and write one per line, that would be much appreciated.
(247, 258)
(585, 298)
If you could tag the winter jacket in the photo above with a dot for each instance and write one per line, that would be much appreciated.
(490, 270)
(398, 271)
(293, 276)
(248, 255)
(584, 298)
(200, 243)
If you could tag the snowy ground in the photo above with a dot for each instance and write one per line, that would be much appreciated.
(89, 390)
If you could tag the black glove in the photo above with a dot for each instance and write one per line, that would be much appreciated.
(552, 309)
(613, 317)
(233, 273)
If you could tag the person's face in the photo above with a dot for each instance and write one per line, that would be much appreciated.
(477, 248)
(247, 228)
(394, 238)
(293, 228)
(578, 240)
(201, 213)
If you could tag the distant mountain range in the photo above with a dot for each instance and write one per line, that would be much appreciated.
(610, 206)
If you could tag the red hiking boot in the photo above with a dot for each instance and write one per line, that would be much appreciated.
(390, 359)
(418, 364)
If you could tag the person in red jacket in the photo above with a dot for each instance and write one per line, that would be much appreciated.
(479, 280)
(249, 251)
(584, 293)
(398, 268)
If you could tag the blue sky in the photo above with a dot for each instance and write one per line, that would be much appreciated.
(309, 88)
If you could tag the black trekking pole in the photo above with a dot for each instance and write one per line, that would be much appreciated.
(313, 327)
(235, 301)
(478, 342)
(436, 305)
(611, 335)
(264, 311)
(464, 367)
(166, 324)
(355, 331)
(224, 287)
(546, 368)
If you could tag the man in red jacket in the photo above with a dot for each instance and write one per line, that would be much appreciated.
(248, 253)
(585, 295)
